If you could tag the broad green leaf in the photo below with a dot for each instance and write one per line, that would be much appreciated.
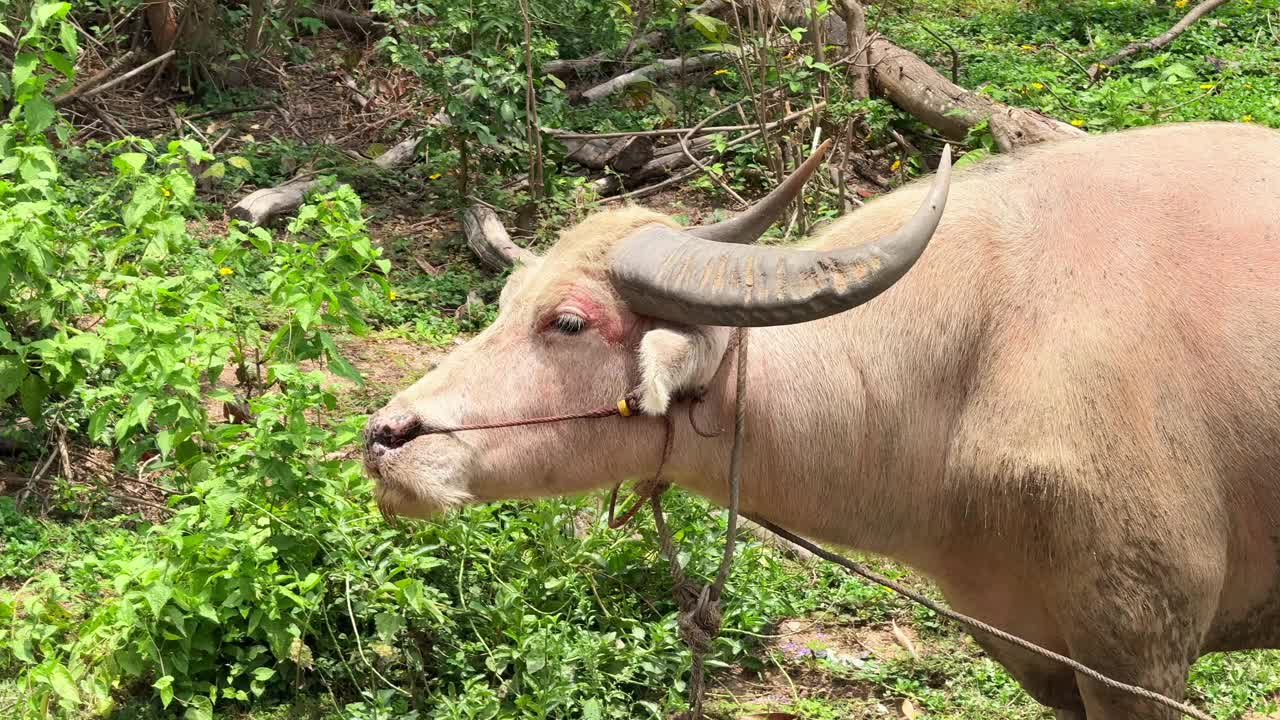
(236, 161)
(337, 363)
(216, 170)
(32, 394)
(20, 646)
(157, 594)
(24, 66)
(12, 372)
(165, 686)
(388, 624)
(591, 710)
(129, 163)
(46, 11)
(60, 63)
(63, 684)
(39, 114)
(67, 34)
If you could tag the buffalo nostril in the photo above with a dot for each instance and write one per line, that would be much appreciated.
(394, 431)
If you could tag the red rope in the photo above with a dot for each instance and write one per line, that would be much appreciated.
(602, 412)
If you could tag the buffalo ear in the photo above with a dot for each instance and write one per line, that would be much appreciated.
(675, 360)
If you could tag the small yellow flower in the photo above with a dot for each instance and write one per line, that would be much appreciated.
(721, 71)
(1038, 86)
(1206, 86)
(896, 164)
(436, 176)
(1078, 122)
(1180, 3)
(391, 295)
(225, 271)
(1247, 118)
(1028, 47)
(166, 192)
(1103, 66)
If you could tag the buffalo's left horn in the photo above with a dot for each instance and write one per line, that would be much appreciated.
(671, 274)
(747, 227)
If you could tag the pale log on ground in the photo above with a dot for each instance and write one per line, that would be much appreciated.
(262, 206)
(655, 71)
(1158, 41)
(489, 240)
(913, 85)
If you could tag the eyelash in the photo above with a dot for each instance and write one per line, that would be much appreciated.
(569, 324)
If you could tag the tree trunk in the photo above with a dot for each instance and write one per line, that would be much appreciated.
(911, 84)
(163, 22)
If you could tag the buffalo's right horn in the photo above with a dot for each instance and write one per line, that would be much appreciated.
(672, 274)
(748, 226)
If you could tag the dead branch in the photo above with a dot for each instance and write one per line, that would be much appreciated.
(622, 155)
(1158, 41)
(262, 206)
(489, 240)
(650, 40)
(911, 84)
(348, 23)
(125, 61)
(94, 92)
(650, 73)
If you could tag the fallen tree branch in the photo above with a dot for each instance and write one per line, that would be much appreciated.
(262, 206)
(348, 23)
(622, 155)
(676, 160)
(126, 60)
(650, 73)
(489, 240)
(911, 84)
(650, 40)
(94, 92)
(1158, 41)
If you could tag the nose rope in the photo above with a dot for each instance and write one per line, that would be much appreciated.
(625, 407)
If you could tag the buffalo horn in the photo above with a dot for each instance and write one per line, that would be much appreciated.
(669, 273)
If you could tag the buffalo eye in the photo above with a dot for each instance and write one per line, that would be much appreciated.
(569, 324)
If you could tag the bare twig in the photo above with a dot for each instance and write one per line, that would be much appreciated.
(652, 72)
(1158, 41)
(129, 75)
(93, 81)
(684, 147)
(955, 56)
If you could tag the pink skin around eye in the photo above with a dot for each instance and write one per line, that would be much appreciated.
(603, 319)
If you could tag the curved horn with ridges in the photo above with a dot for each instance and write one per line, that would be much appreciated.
(668, 273)
(748, 226)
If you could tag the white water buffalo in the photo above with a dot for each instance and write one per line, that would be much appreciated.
(1066, 413)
